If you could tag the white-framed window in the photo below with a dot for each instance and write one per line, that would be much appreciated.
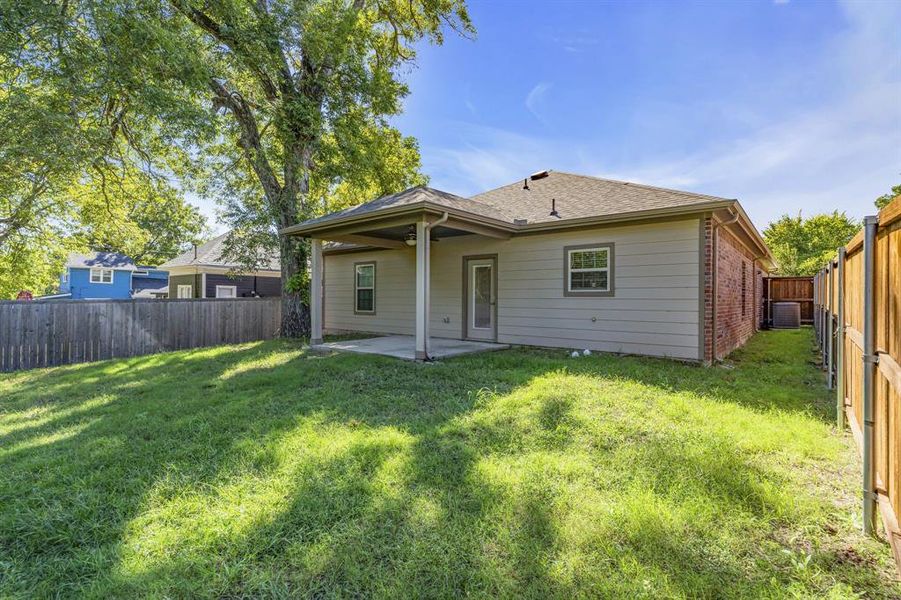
(185, 291)
(364, 288)
(101, 275)
(226, 291)
(589, 270)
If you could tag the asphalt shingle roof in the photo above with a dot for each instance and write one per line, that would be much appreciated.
(414, 195)
(579, 196)
(106, 260)
(211, 254)
(576, 196)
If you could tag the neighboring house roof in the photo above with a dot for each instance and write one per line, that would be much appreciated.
(211, 254)
(97, 260)
(148, 287)
(580, 196)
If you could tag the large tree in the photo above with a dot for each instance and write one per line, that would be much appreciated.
(291, 99)
(71, 177)
(801, 246)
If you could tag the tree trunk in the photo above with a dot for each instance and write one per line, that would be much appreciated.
(295, 312)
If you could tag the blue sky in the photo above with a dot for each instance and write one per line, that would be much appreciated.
(786, 106)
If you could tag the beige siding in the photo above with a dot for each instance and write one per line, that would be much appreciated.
(654, 310)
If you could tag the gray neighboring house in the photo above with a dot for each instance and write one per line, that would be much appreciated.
(203, 272)
(556, 259)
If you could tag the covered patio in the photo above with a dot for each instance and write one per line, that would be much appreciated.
(414, 218)
(403, 347)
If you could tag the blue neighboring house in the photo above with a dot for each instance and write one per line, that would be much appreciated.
(110, 275)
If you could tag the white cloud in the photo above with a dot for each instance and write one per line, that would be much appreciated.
(535, 99)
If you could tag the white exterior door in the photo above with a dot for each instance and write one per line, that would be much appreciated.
(481, 299)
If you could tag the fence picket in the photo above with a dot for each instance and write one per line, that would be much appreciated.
(40, 334)
(850, 361)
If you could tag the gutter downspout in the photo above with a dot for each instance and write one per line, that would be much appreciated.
(714, 262)
(870, 358)
(756, 297)
(441, 221)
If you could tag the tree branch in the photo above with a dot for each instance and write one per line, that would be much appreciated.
(241, 52)
(249, 139)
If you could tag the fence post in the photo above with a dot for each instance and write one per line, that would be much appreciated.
(840, 342)
(869, 373)
(816, 307)
(829, 323)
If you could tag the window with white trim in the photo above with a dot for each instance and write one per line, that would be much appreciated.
(589, 270)
(101, 275)
(185, 291)
(226, 291)
(364, 288)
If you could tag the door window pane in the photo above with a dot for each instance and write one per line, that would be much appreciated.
(481, 297)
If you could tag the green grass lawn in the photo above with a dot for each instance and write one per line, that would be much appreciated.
(261, 470)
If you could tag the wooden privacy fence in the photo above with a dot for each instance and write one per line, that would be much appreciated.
(59, 332)
(788, 289)
(858, 323)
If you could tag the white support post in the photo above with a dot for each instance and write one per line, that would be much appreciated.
(315, 291)
(422, 290)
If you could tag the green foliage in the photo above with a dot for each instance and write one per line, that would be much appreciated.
(883, 201)
(802, 246)
(279, 109)
(137, 215)
(260, 470)
(77, 173)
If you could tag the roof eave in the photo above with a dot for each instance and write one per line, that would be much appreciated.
(309, 230)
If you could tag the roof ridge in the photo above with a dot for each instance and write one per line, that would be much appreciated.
(641, 185)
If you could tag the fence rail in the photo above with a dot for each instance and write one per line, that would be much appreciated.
(43, 334)
(857, 316)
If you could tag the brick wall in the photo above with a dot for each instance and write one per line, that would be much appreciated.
(737, 292)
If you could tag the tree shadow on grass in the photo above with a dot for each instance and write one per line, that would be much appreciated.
(265, 471)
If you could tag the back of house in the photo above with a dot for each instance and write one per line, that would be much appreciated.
(205, 271)
(556, 260)
(97, 275)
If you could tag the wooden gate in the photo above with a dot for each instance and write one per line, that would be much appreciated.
(788, 289)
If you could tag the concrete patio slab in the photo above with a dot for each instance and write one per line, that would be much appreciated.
(403, 347)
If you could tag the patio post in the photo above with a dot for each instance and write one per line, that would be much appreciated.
(422, 290)
(315, 291)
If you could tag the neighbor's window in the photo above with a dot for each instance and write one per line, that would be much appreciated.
(589, 270)
(185, 291)
(101, 275)
(364, 287)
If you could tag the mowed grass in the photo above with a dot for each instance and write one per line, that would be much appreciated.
(261, 470)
